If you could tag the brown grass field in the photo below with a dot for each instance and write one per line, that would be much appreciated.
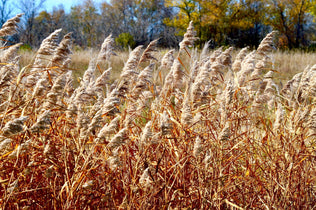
(287, 63)
(157, 129)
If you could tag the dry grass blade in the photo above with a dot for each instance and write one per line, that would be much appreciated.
(218, 135)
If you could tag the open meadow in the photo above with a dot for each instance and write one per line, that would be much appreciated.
(157, 129)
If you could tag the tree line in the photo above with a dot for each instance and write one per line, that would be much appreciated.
(132, 22)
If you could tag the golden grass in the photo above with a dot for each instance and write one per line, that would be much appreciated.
(286, 63)
(221, 135)
(291, 62)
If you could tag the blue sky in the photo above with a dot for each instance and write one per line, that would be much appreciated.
(49, 4)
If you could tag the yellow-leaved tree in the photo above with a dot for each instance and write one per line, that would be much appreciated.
(215, 19)
(289, 17)
(188, 10)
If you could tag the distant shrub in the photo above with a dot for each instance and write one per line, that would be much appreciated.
(77, 48)
(125, 40)
(26, 47)
(312, 47)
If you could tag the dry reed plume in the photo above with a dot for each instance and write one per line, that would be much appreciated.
(216, 133)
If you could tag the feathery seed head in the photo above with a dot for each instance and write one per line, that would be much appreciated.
(229, 92)
(145, 178)
(167, 59)
(95, 122)
(189, 37)
(119, 138)
(106, 49)
(186, 114)
(165, 124)
(239, 58)
(216, 54)
(148, 52)
(10, 27)
(279, 117)
(133, 59)
(109, 129)
(62, 53)
(110, 105)
(226, 58)
(198, 148)
(178, 74)
(147, 132)
(101, 80)
(10, 54)
(42, 122)
(14, 127)
(267, 44)
(48, 45)
(225, 133)
(5, 144)
(114, 160)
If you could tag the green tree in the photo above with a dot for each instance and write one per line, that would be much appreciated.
(125, 40)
